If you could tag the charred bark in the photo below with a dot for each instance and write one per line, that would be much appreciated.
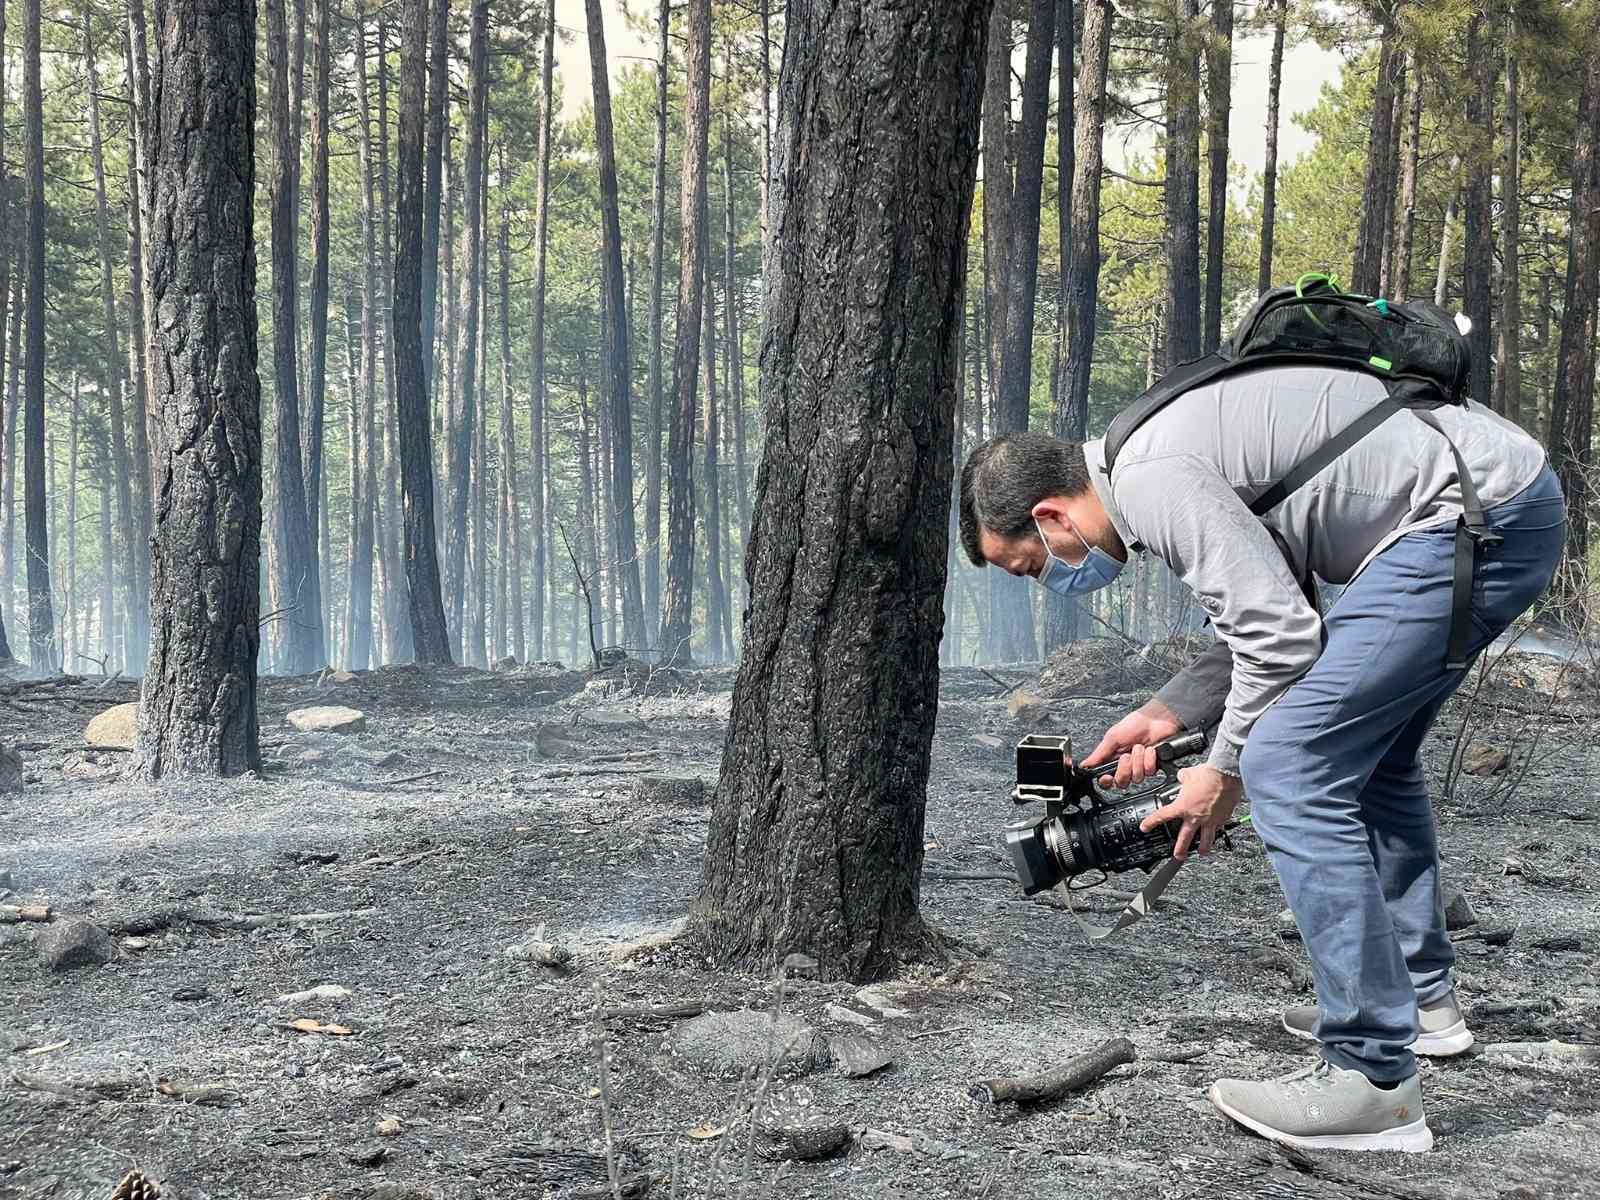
(1183, 186)
(1219, 105)
(1269, 170)
(197, 710)
(658, 223)
(536, 367)
(42, 646)
(816, 834)
(1478, 243)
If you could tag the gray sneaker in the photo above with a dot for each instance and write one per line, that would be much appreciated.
(1328, 1108)
(1443, 1033)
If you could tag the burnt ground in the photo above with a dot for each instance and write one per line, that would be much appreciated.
(478, 810)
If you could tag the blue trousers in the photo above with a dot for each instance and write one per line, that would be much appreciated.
(1335, 781)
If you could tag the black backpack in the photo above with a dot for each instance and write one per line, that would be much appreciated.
(1413, 346)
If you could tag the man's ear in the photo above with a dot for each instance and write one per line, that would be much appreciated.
(1054, 507)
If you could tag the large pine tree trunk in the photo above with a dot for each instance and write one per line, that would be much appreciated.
(658, 223)
(1478, 244)
(1410, 161)
(43, 650)
(414, 430)
(1219, 105)
(462, 431)
(1572, 406)
(1378, 183)
(1083, 284)
(1508, 380)
(1269, 169)
(1183, 186)
(390, 533)
(141, 407)
(816, 834)
(296, 586)
(677, 605)
(618, 358)
(111, 369)
(197, 711)
(536, 367)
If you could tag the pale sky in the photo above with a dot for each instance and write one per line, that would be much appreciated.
(1305, 69)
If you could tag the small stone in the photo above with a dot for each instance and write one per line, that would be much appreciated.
(885, 998)
(1458, 912)
(988, 741)
(800, 966)
(365, 1154)
(1026, 707)
(135, 943)
(508, 663)
(1288, 930)
(793, 1131)
(339, 677)
(858, 1056)
(10, 780)
(850, 1016)
(1483, 759)
(8, 881)
(191, 993)
(1560, 943)
(392, 759)
(669, 791)
(727, 1044)
(117, 727)
(76, 943)
(328, 718)
(388, 1127)
(612, 718)
(323, 991)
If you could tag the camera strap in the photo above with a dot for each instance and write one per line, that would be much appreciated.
(1139, 906)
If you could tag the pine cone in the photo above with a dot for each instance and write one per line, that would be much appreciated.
(135, 1186)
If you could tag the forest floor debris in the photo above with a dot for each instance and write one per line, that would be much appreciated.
(362, 1032)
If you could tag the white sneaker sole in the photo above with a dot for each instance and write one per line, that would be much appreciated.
(1456, 1039)
(1415, 1138)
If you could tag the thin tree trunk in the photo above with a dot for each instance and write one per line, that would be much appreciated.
(997, 188)
(1478, 244)
(718, 648)
(1508, 380)
(618, 358)
(1377, 184)
(479, 656)
(390, 532)
(358, 642)
(510, 517)
(297, 588)
(8, 566)
(588, 502)
(70, 645)
(674, 641)
(1084, 283)
(1410, 160)
(538, 448)
(1441, 286)
(734, 392)
(364, 647)
(197, 711)
(141, 406)
(109, 649)
(1219, 106)
(817, 828)
(658, 222)
(413, 425)
(1060, 625)
(1269, 170)
(1183, 187)
(1572, 407)
(1392, 175)
(111, 361)
(438, 115)
(317, 372)
(42, 646)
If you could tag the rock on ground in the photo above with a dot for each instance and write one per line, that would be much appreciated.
(116, 728)
(78, 943)
(726, 1044)
(10, 771)
(1483, 759)
(669, 791)
(1024, 706)
(328, 718)
(1458, 912)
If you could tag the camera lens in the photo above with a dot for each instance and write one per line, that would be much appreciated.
(1036, 867)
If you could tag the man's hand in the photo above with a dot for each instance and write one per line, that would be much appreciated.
(1206, 799)
(1134, 738)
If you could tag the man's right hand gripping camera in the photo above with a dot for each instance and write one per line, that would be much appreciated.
(1084, 829)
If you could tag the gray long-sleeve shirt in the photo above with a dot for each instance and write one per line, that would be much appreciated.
(1182, 485)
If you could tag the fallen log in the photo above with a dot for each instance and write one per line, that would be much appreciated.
(688, 1008)
(1570, 1051)
(546, 954)
(11, 914)
(1049, 1085)
(84, 1089)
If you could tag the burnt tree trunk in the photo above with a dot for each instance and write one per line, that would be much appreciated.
(816, 834)
(363, 646)
(537, 448)
(7, 410)
(296, 586)
(414, 430)
(508, 591)
(734, 350)
(1478, 244)
(42, 646)
(618, 375)
(1083, 284)
(1183, 186)
(1219, 104)
(317, 369)
(1572, 406)
(1269, 169)
(658, 223)
(141, 409)
(197, 710)
(718, 641)
(432, 178)
(1377, 183)
(678, 602)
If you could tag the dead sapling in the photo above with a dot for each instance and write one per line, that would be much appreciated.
(1058, 1081)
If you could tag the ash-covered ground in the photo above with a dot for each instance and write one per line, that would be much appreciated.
(478, 812)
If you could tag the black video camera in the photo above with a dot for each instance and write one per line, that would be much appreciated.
(1084, 829)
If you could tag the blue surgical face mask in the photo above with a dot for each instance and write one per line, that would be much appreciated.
(1059, 576)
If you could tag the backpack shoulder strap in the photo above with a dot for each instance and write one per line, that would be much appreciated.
(1169, 387)
(1313, 463)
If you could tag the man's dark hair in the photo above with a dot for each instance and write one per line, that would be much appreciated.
(1006, 476)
